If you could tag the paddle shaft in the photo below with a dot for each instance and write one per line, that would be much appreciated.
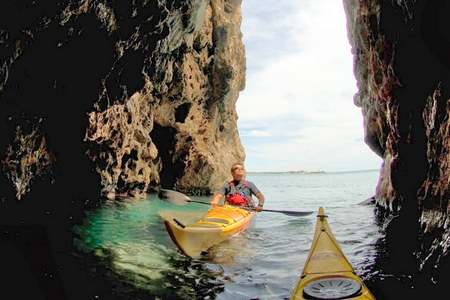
(181, 199)
(290, 212)
(201, 202)
(286, 212)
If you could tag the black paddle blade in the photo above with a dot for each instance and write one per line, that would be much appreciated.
(173, 197)
(368, 201)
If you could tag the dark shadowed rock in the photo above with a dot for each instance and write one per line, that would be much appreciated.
(402, 63)
(140, 93)
(109, 98)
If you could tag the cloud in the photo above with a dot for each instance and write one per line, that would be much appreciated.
(297, 109)
(257, 133)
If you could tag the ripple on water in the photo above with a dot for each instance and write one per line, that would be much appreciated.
(265, 262)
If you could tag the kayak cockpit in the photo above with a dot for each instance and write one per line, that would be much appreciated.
(213, 227)
(327, 273)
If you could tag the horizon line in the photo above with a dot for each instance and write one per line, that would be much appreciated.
(318, 171)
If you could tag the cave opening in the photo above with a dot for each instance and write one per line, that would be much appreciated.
(173, 165)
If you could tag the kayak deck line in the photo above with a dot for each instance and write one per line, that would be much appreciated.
(179, 223)
(328, 273)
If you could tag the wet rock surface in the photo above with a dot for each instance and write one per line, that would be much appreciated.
(401, 63)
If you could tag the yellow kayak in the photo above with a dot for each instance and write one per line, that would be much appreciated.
(214, 227)
(327, 273)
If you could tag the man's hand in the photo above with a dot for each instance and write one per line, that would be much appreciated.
(261, 200)
(259, 208)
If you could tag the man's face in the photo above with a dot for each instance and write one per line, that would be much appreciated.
(238, 172)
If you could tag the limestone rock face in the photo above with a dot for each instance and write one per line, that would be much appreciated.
(128, 94)
(401, 62)
(26, 158)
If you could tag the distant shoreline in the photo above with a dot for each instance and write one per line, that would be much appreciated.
(310, 172)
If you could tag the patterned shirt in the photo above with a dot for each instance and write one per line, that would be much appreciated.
(243, 187)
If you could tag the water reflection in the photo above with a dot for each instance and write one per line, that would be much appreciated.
(129, 241)
(176, 278)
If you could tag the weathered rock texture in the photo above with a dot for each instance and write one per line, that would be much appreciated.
(27, 158)
(139, 92)
(401, 62)
(107, 97)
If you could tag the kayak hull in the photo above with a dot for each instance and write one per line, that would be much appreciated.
(215, 226)
(326, 261)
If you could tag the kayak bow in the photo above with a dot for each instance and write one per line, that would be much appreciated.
(327, 273)
(217, 225)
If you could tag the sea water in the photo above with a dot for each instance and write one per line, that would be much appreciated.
(129, 239)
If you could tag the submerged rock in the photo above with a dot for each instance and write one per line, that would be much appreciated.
(401, 64)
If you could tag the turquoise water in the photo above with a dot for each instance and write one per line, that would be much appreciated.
(265, 262)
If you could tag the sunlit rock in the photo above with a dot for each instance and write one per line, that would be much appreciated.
(130, 94)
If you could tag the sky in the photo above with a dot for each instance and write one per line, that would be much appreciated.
(297, 111)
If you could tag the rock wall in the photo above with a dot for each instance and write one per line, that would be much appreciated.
(401, 63)
(102, 97)
(118, 95)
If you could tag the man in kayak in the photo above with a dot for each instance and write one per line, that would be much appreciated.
(239, 191)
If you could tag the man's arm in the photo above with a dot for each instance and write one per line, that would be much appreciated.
(261, 200)
(259, 195)
(215, 200)
(218, 195)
